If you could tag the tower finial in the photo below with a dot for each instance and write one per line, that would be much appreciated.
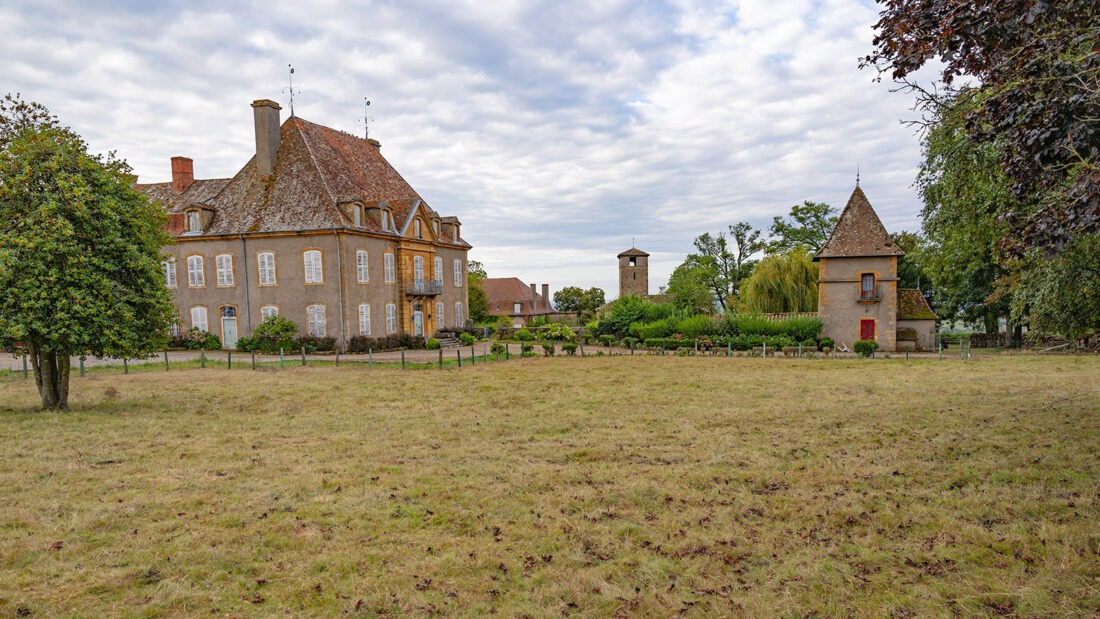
(857, 175)
(290, 89)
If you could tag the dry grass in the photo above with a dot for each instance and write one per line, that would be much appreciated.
(644, 486)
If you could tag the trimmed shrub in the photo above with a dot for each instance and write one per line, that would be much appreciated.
(570, 348)
(432, 344)
(630, 342)
(826, 342)
(496, 348)
(607, 339)
(865, 348)
(548, 349)
(248, 344)
(694, 326)
(467, 338)
(646, 331)
(526, 347)
(362, 344)
(315, 344)
(523, 335)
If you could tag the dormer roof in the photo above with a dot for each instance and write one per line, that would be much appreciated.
(858, 233)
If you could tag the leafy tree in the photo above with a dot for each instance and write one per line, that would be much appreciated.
(784, 282)
(965, 194)
(718, 265)
(475, 290)
(79, 251)
(1065, 287)
(809, 227)
(1038, 100)
(622, 313)
(746, 243)
(690, 288)
(576, 300)
(910, 272)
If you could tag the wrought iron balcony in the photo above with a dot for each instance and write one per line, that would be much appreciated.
(424, 288)
(873, 295)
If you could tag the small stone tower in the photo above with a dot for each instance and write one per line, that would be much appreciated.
(857, 286)
(634, 273)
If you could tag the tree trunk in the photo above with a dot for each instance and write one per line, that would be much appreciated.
(51, 376)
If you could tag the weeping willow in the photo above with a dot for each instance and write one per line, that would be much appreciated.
(782, 283)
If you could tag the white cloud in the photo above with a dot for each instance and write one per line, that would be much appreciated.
(557, 131)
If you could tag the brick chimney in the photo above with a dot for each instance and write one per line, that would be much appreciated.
(183, 172)
(534, 299)
(266, 114)
(546, 296)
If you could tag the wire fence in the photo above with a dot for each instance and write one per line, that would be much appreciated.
(947, 347)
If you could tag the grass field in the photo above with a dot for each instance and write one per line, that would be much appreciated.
(626, 486)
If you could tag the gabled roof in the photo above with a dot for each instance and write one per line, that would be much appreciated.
(507, 291)
(913, 306)
(858, 233)
(317, 169)
(633, 251)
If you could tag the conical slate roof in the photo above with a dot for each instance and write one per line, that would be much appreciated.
(858, 233)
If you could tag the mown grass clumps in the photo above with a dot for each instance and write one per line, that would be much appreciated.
(605, 486)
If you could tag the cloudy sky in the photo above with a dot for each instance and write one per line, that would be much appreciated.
(559, 132)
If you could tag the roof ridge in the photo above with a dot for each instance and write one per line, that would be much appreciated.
(313, 156)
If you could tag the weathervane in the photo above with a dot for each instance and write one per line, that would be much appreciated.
(291, 89)
(366, 119)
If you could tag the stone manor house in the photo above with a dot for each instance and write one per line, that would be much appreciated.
(317, 227)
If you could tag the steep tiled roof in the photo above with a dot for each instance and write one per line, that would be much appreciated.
(316, 170)
(858, 232)
(913, 306)
(507, 291)
(633, 251)
(198, 192)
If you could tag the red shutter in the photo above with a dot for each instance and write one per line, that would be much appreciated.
(867, 329)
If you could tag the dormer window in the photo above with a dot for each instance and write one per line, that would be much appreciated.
(194, 222)
(416, 228)
(435, 227)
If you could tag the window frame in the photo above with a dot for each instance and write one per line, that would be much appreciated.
(458, 315)
(318, 277)
(266, 307)
(458, 272)
(437, 267)
(205, 318)
(439, 307)
(169, 266)
(364, 319)
(311, 324)
(391, 318)
(362, 266)
(261, 269)
(390, 275)
(201, 271)
(223, 282)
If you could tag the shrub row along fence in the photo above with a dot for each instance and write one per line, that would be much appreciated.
(454, 357)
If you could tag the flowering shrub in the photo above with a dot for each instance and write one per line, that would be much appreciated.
(558, 332)
(196, 339)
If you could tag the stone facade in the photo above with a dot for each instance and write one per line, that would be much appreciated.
(858, 278)
(633, 273)
(317, 227)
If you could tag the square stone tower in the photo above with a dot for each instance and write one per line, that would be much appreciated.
(857, 289)
(634, 273)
